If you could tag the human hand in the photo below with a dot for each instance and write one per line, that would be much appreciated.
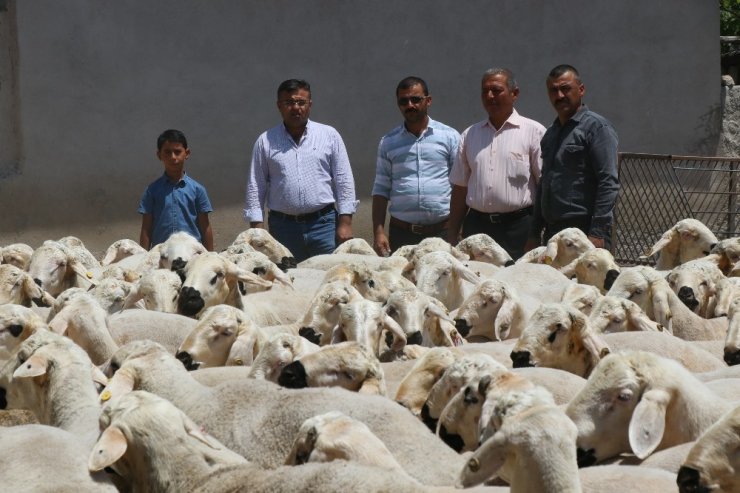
(598, 242)
(344, 232)
(453, 238)
(381, 245)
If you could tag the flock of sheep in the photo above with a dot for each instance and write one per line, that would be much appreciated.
(434, 369)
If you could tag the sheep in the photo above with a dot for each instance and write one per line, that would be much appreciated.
(327, 261)
(336, 436)
(212, 280)
(483, 248)
(564, 247)
(275, 354)
(555, 339)
(688, 239)
(726, 254)
(111, 293)
(350, 365)
(18, 287)
(17, 323)
(726, 290)
(596, 268)
(18, 254)
(533, 443)
(375, 285)
(712, 463)
(534, 281)
(695, 284)
(493, 311)
(158, 289)
(532, 257)
(612, 314)
(413, 253)
(178, 250)
(121, 249)
(150, 443)
(260, 264)
(414, 389)
(442, 276)
(364, 321)
(646, 287)
(262, 241)
(55, 267)
(423, 319)
(732, 341)
(582, 296)
(356, 245)
(640, 402)
(224, 335)
(257, 419)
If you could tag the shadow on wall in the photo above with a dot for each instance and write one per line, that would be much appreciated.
(729, 138)
(708, 130)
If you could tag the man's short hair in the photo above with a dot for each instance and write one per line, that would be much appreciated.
(510, 79)
(563, 69)
(292, 85)
(410, 82)
(171, 135)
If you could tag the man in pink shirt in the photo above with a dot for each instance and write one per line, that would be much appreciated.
(497, 168)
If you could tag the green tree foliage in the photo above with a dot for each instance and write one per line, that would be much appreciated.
(729, 17)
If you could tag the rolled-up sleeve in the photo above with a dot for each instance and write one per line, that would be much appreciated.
(344, 182)
(256, 184)
(603, 158)
(382, 185)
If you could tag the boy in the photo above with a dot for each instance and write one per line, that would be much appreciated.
(174, 202)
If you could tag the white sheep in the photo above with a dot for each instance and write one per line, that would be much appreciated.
(18, 287)
(157, 289)
(713, 464)
(726, 254)
(565, 247)
(423, 319)
(356, 245)
(442, 276)
(582, 296)
(414, 389)
(178, 250)
(483, 248)
(493, 312)
(278, 352)
(695, 284)
(688, 239)
(534, 281)
(413, 253)
(55, 267)
(732, 341)
(17, 323)
(111, 293)
(646, 287)
(260, 264)
(364, 321)
(375, 285)
(18, 254)
(640, 402)
(262, 241)
(726, 291)
(121, 249)
(596, 268)
(612, 314)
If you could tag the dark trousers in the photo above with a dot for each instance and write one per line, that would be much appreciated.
(399, 237)
(511, 234)
(582, 223)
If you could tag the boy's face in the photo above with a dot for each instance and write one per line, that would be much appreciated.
(173, 155)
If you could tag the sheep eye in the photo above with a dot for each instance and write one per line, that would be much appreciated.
(703, 283)
(391, 311)
(286, 345)
(347, 375)
(624, 396)
(552, 336)
(371, 283)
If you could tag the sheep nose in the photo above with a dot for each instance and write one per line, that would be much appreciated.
(310, 334)
(3, 400)
(686, 295)
(293, 376)
(187, 360)
(611, 276)
(585, 458)
(178, 264)
(427, 419)
(455, 441)
(509, 263)
(414, 338)
(189, 302)
(689, 481)
(38, 282)
(520, 359)
(15, 330)
(462, 327)
(732, 357)
(287, 263)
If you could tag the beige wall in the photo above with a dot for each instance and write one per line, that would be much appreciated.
(87, 85)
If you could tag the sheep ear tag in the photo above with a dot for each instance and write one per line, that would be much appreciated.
(110, 447)
(33, 367)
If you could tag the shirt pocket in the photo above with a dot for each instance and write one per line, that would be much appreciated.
(518, 165)
(574, 156)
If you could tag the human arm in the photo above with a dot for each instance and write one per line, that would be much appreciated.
(602, 155)
(257, 182)
(343, 183)
(458, 209)
(344, 228)
(380, 239)
(145, 237)
(206, 232)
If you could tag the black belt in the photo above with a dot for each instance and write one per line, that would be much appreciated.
(304, 218)
(419, 229)
(501, 217)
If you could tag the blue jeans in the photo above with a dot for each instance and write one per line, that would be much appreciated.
(306, 239)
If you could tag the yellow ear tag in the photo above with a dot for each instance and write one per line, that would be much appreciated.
(106, 395)
(547, 260)
(239, 362)
(89, 274)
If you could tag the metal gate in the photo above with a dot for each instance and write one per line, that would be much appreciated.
(659, 190)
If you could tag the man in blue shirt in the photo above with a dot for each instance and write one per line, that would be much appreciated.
(412, 172)
(301, 171)
(174, 202)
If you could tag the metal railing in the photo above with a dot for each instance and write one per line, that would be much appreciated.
(659, 190)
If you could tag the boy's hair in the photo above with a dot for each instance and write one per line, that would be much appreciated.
(171, 135)
(292, 85)
(410, 82)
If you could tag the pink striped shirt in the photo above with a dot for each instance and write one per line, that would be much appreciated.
(500, 168)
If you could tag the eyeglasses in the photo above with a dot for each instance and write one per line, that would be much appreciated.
(412, 99)
(288, 103)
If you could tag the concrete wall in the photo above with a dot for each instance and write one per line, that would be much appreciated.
(87, 85)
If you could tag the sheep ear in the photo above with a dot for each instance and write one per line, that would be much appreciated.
(34, 366)
(486, 461)
(409, 271)
(637, 317)
(98, 376)
(110, 447)
(337, 335)
(244, 349)
(133, 296)
(199, 434)
(505, 317)
(59, 323)
(399, 337)
(580, 329)
(465, 273)
(648, 422)
(661, 307)
(110, 254)
(374, 383)
(122, 382)
(438, 311)
(233, 271)
(569, 270)
(668, 237)
(551, 251)
(81, 271)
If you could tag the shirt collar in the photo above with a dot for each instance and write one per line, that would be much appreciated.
(426, 131)
(514, 120)
(181, 180)
(577, 117)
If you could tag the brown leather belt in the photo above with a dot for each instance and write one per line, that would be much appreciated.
(419, 229)
(302, 218)
(501, 217)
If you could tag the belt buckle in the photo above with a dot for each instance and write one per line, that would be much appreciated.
(417, 229)
(494, 218)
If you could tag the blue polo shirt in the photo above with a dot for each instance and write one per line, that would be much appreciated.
(174, 207)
